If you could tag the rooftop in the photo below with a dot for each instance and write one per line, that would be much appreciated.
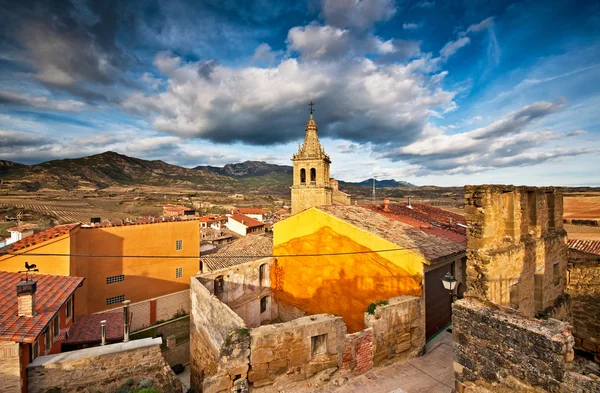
(22, 227)
(245, 249)
(207, 234)
(212, 218)
(249, 210)
(52, 292)
(86, 328)
(40, 237)
(247, 221)
(588, 246)
(432, 242)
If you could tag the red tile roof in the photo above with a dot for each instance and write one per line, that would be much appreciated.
(588, 246)
(212, 218)
(86, 328)
(40, 237)
(247, 221)
(249, 210)
(52, 292)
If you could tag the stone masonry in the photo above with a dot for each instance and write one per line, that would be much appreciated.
(497, 350)
(103, 369)
(516, 246)
(584, 288)
(10, 369)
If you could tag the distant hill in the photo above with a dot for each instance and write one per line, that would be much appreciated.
(380, 183)
(249, 169)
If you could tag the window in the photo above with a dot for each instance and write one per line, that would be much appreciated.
(178, 245)
(219, 285)
(70, 308)
(313, 175)
(56, 326)
(302, 175)
(318, 344)
(35, 350)
(179, 272)
(556, 273)
(114, 279)
(263, 304)
(115, 300)
(200, 267)
(262, 274)
(48, 340)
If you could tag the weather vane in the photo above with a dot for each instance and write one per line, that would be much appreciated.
(311, 106)
(30, 268)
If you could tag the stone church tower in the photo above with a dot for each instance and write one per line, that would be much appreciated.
(311, 172)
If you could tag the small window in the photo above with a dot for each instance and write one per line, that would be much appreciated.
(114, 279)
(556, 272)
(56, 326)
(115, 300)
(318, 344)
(262, 274)
(219, 285)
(70, 307)
(179, 272)
(302, 175)
(313, 175)
(35, 350)
(178, 245)
(263, 304)
(48, 340)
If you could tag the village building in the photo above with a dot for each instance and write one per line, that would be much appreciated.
(35, 312)
(258, 214)
(244, 225)
(132, 261)
(239, 251)
(19, 232)
(177, 211)
(312, 184)
(213, 222)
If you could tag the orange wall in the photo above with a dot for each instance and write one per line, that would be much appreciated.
(338, 284)
(46, 264)
(145, 278)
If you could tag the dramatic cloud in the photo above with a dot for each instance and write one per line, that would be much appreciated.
(359, 14)
(41, 102)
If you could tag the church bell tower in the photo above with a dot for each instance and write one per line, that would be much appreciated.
(311, 171)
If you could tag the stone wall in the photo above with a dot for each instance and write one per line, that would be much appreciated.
(10, 369)
(211, 322)
(398, 329)
(103, 369)
(516, 246)
(243, 290)
(497, 350)
(295, 350)
(584, 288)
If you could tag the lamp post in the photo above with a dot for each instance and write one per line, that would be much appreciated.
(449, 283)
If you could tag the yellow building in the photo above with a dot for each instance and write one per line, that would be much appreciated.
(325, 261)
(133, 261)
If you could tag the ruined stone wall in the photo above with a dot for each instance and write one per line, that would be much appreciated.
(358, 351)
(211, 322)
(584, 289)
(295, 350)
(516, 246)
(103, 369)
(10, 367)
(243, 290)
(398, 329)
(496, 350)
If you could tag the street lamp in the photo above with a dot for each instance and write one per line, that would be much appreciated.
(449, 282)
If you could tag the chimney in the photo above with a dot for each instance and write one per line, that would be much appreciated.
(26, 298)
(386, 205)
(103, 332)
(408, 204)
(126, 320)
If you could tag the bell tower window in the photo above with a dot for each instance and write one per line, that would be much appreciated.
(313, 175)
(302, 175)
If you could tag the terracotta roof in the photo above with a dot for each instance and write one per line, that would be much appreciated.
(141, 221)
(207, 234)
(247, 221)
(249, 210)
(430, 244)
(22, 227)
(212, 218)
(86, 328)
(588, 246)
(245, 249)
(52, 292)
(38, 238)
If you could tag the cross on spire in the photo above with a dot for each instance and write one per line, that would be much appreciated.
(311, 110)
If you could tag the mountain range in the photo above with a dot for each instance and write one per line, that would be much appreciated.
(117, 170)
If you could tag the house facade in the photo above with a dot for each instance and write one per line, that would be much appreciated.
(244, 225)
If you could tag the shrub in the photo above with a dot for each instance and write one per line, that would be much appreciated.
(373, 306)
(146, 383)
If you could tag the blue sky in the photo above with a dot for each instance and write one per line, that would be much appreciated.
(431, 92)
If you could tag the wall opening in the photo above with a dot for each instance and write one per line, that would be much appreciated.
(318, 344)
(551, 209)
(302, 175)
(263, 304)
(532, 208)
(262, 274)
(313, 175)
(219, 285)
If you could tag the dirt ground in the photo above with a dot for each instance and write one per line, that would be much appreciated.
(582, 206)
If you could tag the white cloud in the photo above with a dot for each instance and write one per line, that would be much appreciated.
(410, 26)
(264, 53)
(42, 102)
(577, 133)
(453, 46)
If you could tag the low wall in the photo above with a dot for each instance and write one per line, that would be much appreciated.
(583, 285)
(496, 350)
(358, 351)
(398, 329)
(211, 322)
(152, 311)
(103, 369)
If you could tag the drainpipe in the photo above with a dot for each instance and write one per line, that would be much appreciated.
(103, 332)
(126, 320)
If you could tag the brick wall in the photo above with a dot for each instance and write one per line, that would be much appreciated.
(497, 350)
(398, 329)
(10, 367)
(103, 369)
(358, 351)
(584, 289)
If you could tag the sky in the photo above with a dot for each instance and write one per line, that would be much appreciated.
(432, 92)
